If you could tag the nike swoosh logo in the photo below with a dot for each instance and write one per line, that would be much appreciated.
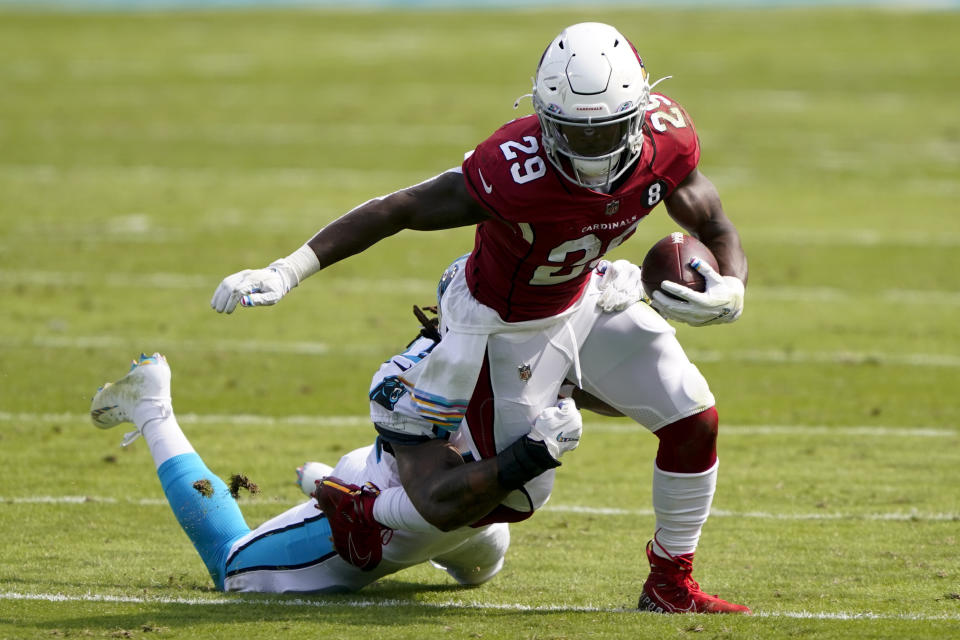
(355, 556)
(690, 609)
(486, 187)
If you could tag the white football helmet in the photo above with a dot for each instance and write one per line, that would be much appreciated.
(590, 93)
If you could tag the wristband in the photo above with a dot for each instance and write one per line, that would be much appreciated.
(523, 461)
(304, 263)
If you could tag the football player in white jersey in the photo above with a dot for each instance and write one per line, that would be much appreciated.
(368, 528)
(550, 194)
(370, 525)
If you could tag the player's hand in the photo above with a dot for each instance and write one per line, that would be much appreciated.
(620, 286)
(722, 301)
(254, 287)
(558, 427)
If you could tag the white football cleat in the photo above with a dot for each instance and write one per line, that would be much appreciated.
(309, 474)
(147, 381)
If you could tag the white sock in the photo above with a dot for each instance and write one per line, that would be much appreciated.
(394, 509)
(682, 504)
(159, 428)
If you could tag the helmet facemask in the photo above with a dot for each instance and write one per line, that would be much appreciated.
(592, 152)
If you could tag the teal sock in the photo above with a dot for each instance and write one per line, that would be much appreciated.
(212, 523)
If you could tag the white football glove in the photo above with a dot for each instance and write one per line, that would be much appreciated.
(252, 288)
(558, 427)
(260, 287)
(620, 286)
(721, 302)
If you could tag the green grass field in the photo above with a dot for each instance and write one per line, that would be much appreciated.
(143, 157)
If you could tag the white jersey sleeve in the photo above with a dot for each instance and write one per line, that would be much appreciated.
(391, 406)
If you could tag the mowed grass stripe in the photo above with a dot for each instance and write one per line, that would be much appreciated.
(180, 281)
(762, 356)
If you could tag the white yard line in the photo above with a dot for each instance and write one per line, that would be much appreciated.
(193, 418)
(776, 356)
(157, 174)
(793, 429)
(300, 348)
(180, 281)
(856, 237)
(449, 604)
(327, 421)
(892, 516)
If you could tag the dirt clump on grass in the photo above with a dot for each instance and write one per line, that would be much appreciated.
(239, 481)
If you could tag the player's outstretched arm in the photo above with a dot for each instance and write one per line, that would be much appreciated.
(439, 203)
(695, 205)
(450, 493)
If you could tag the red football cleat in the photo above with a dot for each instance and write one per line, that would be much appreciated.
(670, 588)
(357, 537)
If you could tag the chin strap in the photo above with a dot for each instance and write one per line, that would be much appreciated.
(516, 103)
(659, 81)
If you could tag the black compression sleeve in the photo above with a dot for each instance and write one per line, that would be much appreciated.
(523, 461)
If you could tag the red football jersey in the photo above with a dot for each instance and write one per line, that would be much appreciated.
(533, 257)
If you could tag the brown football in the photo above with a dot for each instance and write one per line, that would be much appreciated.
(669, 259)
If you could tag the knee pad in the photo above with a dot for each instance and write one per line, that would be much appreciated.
(689, 445)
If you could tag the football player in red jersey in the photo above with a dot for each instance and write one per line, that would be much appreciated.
(550, 194)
